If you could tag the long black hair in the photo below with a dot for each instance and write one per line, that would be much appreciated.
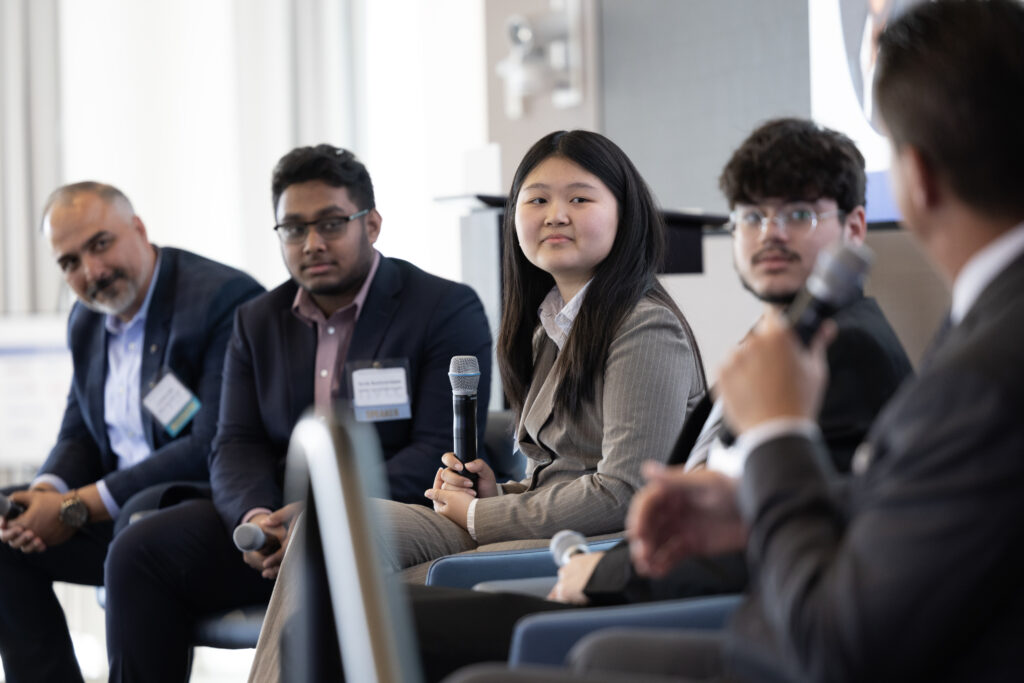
(625, 276)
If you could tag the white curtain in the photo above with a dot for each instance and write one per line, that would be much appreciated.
(29, 152)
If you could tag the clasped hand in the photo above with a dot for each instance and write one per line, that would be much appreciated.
(39, 526)
(279, 525)
(452, 493)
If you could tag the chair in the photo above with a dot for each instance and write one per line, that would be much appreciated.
(546, 638)
(506, 462)
(339, 462)
(468, 569)
(235, 629)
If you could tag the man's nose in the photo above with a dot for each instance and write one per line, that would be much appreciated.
(93, 267)
(313, 241)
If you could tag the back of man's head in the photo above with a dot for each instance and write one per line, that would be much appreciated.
(795, 159)
(330, 165)
(950, 83)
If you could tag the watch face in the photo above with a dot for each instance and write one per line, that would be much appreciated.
(73, 513)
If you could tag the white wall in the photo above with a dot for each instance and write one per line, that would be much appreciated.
(187, 105)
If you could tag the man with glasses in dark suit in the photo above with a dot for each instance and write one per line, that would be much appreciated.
(348, 322)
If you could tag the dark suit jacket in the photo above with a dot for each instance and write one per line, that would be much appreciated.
(187, 331)
(866, 365)
(915, 572)
(268, 382)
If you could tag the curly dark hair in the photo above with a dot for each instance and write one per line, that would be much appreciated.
(334, 166)
(796, 160)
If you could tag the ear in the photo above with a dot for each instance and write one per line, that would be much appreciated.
(856, 226)
(139, 227)
(373, 221)
(921, 183)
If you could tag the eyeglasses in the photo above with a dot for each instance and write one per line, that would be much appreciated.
(328, 227)
(792, 220)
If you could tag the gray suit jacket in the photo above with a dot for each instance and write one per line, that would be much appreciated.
(914, 572)
(582, 471)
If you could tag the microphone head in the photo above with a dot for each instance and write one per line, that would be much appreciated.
(838, 275)
(5, 505)
(464, 374)
(248, 537)
(564, 543)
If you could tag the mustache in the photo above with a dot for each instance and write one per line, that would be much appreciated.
(96, 287)
(774, 251)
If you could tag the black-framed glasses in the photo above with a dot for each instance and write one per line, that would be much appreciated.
(328, 227)
(791, 219)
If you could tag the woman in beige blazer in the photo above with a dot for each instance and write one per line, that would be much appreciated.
(598, 363)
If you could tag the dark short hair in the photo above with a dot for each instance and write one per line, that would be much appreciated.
(950, 83)
(66, 193)
(625, 276)
(334, 166)
(798, 160)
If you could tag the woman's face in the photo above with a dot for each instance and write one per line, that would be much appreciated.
(566, 221)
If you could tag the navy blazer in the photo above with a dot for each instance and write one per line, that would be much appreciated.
(187, 331)
(268, 382)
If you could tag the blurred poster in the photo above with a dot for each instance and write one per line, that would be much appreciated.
(843, 42)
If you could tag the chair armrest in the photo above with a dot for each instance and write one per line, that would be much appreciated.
(468, 569)
(546, 638)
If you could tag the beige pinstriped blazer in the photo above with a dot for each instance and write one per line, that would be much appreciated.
(583, 471)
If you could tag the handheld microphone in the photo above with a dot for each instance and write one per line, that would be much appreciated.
(565, 544)
(8, 508)
(464, 375)
(250, 537)
(837, 280)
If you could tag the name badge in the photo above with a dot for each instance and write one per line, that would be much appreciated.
(171, 403)
(380, 394)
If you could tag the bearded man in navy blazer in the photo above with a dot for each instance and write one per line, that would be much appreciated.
(147, 340)
(349, 318)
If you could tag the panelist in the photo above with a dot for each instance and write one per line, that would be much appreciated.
(599, 364)
(347, 316)
(912, 571)
(794, 188)
(147, 339)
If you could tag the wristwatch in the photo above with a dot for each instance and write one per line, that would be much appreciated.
(73, 512)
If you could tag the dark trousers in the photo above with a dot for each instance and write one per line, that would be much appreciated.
(164, 573)
(34, 639)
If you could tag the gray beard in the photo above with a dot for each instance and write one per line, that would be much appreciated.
(118, 304)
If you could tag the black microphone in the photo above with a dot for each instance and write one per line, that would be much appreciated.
(250, 537)
(8, 508)
(565, 544)
(464, 374)
(836, 281)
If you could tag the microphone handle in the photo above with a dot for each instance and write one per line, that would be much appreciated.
(464, 431)
(271, 546)
(15, 510)
(805, 315)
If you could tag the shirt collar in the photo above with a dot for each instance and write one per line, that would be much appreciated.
(557, 316)
(115, 325)
(982, 268)
(306, 309)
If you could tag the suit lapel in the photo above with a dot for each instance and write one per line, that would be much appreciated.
(92, 355)
(298, 356)
(540, 401)
(376, 315)
(158, 329)
(1006, 287)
